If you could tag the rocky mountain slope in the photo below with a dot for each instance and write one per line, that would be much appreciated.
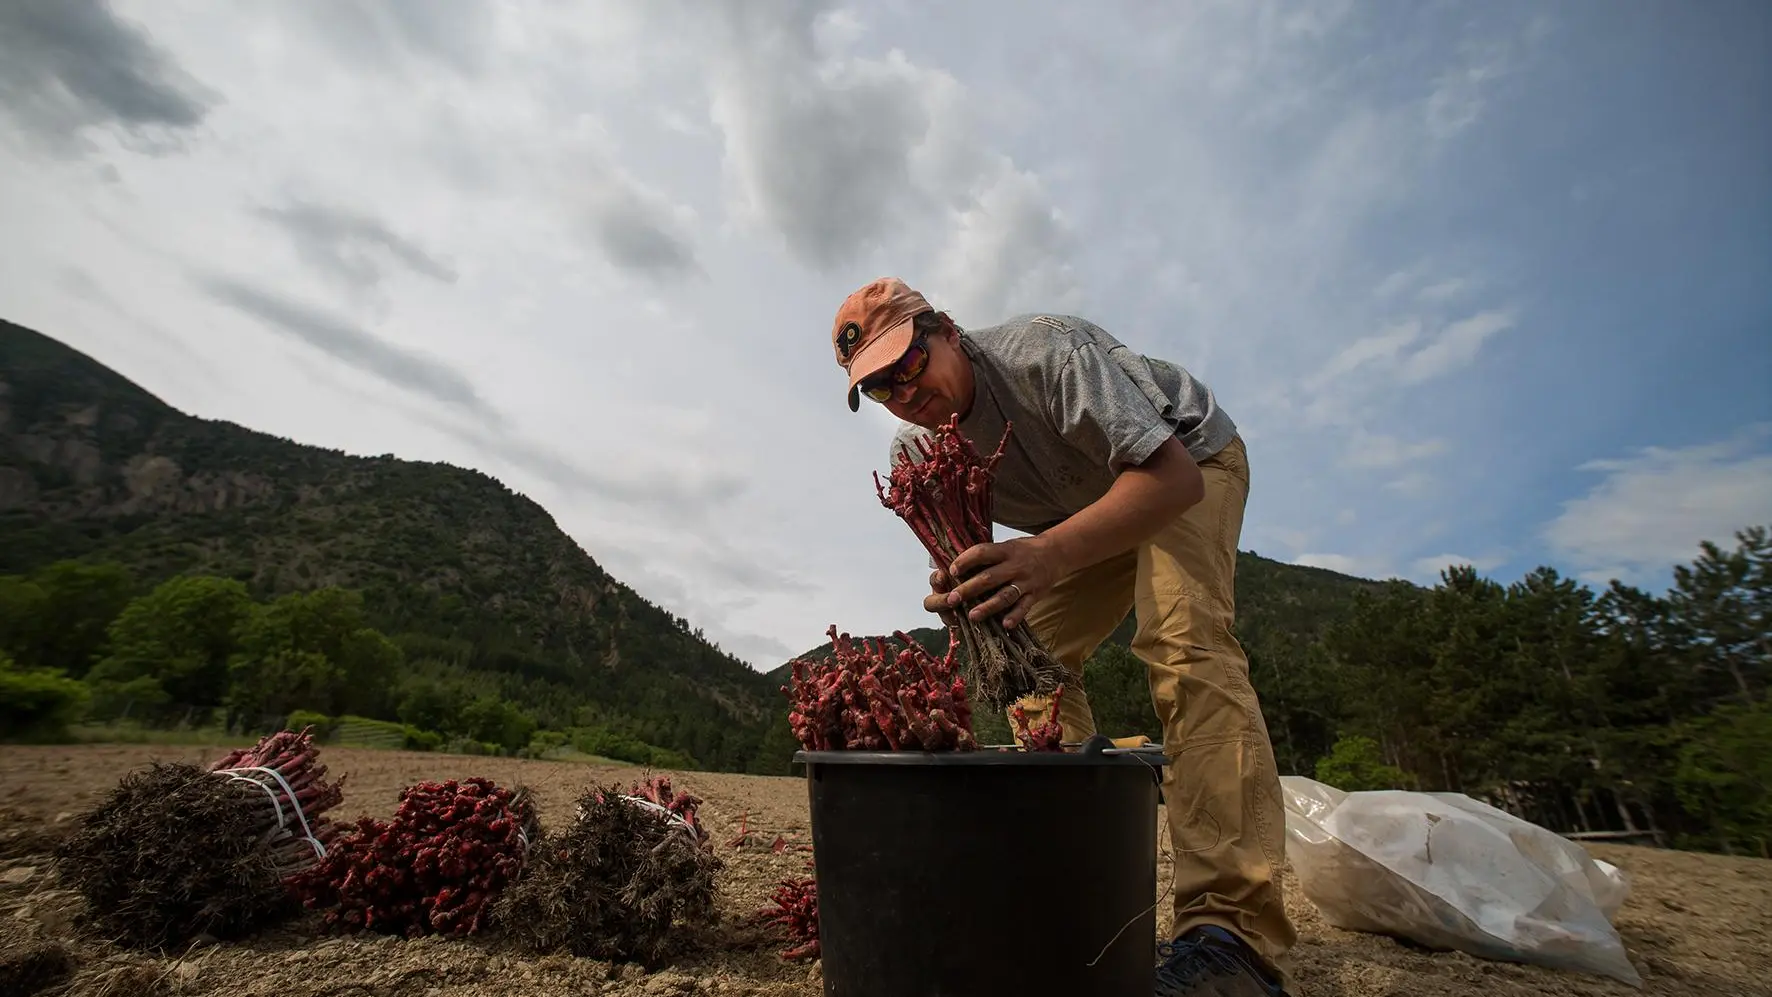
(92, 466)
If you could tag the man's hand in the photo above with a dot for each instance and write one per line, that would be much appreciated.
(940, 584)
(1014, 575)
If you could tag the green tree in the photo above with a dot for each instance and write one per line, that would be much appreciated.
(1722, 607)
(497, 721)
(60, 615)
(1355, 766)
(21, 616)
(431, 705)
(180, 636)
(271, 683)
(312, 650)
(1119, 691)
(1724, 773)
(775, 751)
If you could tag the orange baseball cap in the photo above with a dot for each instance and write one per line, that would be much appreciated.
(873, 328)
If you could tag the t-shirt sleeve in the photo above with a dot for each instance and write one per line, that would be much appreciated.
(1097, 407)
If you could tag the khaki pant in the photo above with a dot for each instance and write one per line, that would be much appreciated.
(1221, 787)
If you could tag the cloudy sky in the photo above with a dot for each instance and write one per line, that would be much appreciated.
(1481, 282)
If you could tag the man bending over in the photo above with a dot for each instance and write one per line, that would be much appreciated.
(1132, 483)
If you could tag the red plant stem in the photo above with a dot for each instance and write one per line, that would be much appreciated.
(945, 499)
(796, 911)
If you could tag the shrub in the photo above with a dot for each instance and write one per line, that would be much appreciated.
(38, 703)
(1355, 765)
(422, 740)
(321, 723)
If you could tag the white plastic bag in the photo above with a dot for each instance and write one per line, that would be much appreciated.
(1450, 872)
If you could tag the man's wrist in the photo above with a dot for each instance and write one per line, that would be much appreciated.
(1059, 550)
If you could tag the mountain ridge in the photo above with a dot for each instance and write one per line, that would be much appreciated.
(92, 465)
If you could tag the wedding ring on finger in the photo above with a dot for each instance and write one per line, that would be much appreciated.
(1017, 589)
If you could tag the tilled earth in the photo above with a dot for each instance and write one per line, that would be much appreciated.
(1694, 924)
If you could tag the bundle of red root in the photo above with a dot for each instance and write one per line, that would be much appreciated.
(943, 492)
(450, 849)
(176, 851)
(867, 697)
(286, 768)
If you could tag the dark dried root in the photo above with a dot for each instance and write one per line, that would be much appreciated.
(35, 969)
(623, 882)
(171, 854)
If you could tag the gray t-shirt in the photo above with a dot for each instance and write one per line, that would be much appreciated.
(1084, 407)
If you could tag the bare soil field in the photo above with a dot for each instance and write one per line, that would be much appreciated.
(1694, 924)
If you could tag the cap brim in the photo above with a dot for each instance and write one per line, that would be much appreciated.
(877, 356)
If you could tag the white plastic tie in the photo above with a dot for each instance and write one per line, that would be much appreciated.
(669, 814)
(307, 833)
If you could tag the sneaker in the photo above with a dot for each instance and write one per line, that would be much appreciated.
(1211, 962)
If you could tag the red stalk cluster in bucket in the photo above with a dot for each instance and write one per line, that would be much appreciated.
(868, 698)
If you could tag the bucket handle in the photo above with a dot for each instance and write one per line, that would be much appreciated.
(1098, 745)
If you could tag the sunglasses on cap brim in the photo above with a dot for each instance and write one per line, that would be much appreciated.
(908, 368)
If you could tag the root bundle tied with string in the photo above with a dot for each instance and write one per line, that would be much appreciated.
(945, 498)
(629, 879)
(176, 851)
(434, 869)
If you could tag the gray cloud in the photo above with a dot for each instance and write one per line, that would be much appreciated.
(638, 569)
(672, 487)
(350, 246)
(835, 154)
(80, 286)
(70, 65)
(354, 346)
(639, 229)
(843, 154)
(672, 490)
(378, 35)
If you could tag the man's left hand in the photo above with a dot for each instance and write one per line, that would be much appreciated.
(1014, 574)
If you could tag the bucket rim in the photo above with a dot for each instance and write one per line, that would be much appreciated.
(1147, 756)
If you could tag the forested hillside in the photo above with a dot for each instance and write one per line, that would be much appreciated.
(483, 599)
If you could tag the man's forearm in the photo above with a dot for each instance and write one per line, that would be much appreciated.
(1140, 501)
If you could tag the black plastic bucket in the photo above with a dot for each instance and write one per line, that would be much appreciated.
(985, 873)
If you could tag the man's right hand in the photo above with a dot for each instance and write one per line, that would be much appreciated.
(940, 582)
